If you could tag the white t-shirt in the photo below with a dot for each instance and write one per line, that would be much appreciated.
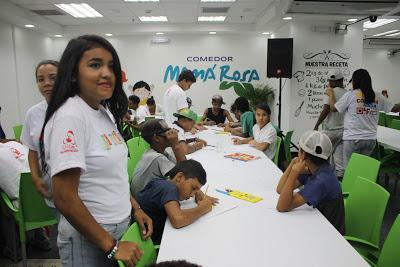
(174, 100)
(266, 135)
(13, 161)
(30, 136)
(78, 136)
(361, 120)
(334, 120)
(143, 111)
(181, 132)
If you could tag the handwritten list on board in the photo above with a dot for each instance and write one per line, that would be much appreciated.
(311, 81)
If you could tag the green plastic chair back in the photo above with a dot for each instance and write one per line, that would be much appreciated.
(364, 211)
(136, 147)
(359, 165)
(17, 131)
(286, 144)
(149, 255)
(32, 211)
(395, 124)
(389, 119)
(148, 118)
(382, 119)
(390, 256)
(278, 146)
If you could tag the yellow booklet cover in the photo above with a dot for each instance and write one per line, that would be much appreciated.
(244, 196)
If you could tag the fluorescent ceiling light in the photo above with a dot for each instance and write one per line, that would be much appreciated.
(80, 10)
(393, 34)
(385, 33)
(352, 20)
(153, 18)
(159, 33)
(265, 33)
(108, 34)
(287, 18)
(142, 1)
(378, 23)
(205, 1)
(29, 26)
(211, 18)
(365, 30)
(58, 35)
(212, 32)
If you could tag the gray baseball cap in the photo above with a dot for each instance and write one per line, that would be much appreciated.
(316, 143)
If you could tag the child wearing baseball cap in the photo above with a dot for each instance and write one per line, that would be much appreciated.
(216, 115)
(321, 188)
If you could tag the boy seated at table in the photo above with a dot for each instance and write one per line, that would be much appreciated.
(158, 160)
(321, 187)
(244, 115)
(160, 198)
(264, 138)
(216, 115)
(185, 122)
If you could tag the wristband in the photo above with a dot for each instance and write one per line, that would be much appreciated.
(112, 252)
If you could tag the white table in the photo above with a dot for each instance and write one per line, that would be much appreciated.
(389, 138)
(254, 234)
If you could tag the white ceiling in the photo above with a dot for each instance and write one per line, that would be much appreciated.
(243, 16)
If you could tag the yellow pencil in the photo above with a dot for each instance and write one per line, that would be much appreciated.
(205, 194)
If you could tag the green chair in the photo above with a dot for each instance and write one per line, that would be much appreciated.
(389, 118)
(286, 144)
(148, 118)
(136, 147)
(364, 211)
(382, 118)
(278, 146)
(359, 165)
(395, 124)
(32, 211)
(17, 131)
(149, 255)
(389, 255)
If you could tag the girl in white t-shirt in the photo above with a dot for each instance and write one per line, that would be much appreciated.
(46, 73)
(87, 159)
(263, 131)
(360, 107)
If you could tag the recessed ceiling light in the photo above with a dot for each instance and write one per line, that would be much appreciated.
(108, 34)
(265, 33)
(205, 1)
(211, 18)
(159, 33)
(287, 18)
(385, 33)
(352, 20)
(29, 26)
(378, 23)
(153, 19)
(393, 34)
(80, 10)
(212, 32)
(58, 35)
(142, 1)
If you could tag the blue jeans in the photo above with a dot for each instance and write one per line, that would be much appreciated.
(364, 147)
(76, 251)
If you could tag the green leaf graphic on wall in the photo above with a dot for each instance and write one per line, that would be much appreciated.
(255, 95)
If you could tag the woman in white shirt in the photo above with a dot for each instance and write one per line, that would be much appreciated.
(151, 109)
(46, 73)
(87, 158)
(360, 107)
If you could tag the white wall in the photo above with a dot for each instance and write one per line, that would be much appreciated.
(20, 52)
(384, 72)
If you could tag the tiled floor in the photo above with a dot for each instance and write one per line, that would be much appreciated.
(50, 259)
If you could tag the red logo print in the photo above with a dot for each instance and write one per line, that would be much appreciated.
(16, 152)
(69, 144)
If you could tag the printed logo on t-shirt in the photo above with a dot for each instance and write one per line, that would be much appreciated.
(69, 144)
(111, 139)
(363, 108)
(16, 153)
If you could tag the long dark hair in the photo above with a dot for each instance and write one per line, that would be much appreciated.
(67, 84)
(362, 80)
